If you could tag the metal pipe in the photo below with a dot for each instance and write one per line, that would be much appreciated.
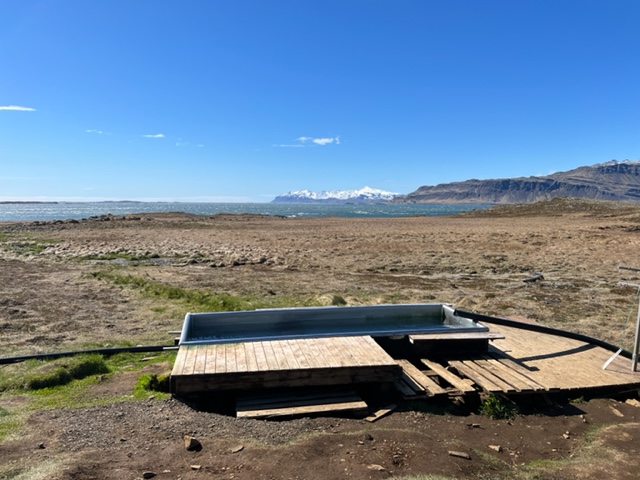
(542, 329)
(101, 351)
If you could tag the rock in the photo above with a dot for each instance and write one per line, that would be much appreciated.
(497, 448)
(368, 437)
(41, 445)
(617, 412)
(196, 467)
(237, 448)
(376, 467)
(192, 444)
(633, 402)
(148, 474)
(464, 455)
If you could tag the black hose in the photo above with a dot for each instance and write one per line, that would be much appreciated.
(101, 351)
(541, 329)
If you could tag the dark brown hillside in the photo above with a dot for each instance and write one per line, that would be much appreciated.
(607, 181)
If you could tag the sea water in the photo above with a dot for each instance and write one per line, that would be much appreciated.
(68, 210)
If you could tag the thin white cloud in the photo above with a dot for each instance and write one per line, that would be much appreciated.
(154, 135)
(311, 141)
(97, 132)
(17, 108)
(326, 141)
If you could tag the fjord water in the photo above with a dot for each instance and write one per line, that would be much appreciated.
(65, 211)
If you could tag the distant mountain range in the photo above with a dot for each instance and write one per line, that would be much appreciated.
(614, 180)
(363, 195)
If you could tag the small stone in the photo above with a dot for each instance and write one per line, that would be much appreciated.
(192, 444)
(148, 474)
(196, 467)
(376, 467)
(497, 448)
(237, 448)
(633, 402)
(368, 437)
(464, 455)
(566, 435)
(41, 445)
(617, 412)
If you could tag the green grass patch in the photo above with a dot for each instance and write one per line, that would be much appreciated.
(151, 382)
(196, 300)
(498, 408)
(40, 384)
(9, 424)
(64, 370)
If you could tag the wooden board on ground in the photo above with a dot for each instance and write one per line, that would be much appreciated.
(381, 413)
(296, 404)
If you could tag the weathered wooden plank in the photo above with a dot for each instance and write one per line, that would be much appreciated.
(513, 369)
(315, 356)
(480, 379)
(406, 389)
(366, 350)
(280, 355)
(431, 387)
(323, 353)
(221, 361)
(200, 360)
(284, 397)
(178, 364)
(354, 407)
(381, 413)
(189, 361)
(298, 353)
(260, 356)
(241, 357)
(486, 371)
(424, 337)
(463, 385)
(273, 356)
(250, 355)
(210, 366)
(355, 350)
(505, 375)
(230, 357)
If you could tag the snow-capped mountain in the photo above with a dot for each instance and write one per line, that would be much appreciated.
(363, 195)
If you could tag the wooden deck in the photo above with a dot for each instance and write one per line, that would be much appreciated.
(281, 363)
(562, 363)
(516, 361)
(521, 362)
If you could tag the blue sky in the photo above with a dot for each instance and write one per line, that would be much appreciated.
(203, 100)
